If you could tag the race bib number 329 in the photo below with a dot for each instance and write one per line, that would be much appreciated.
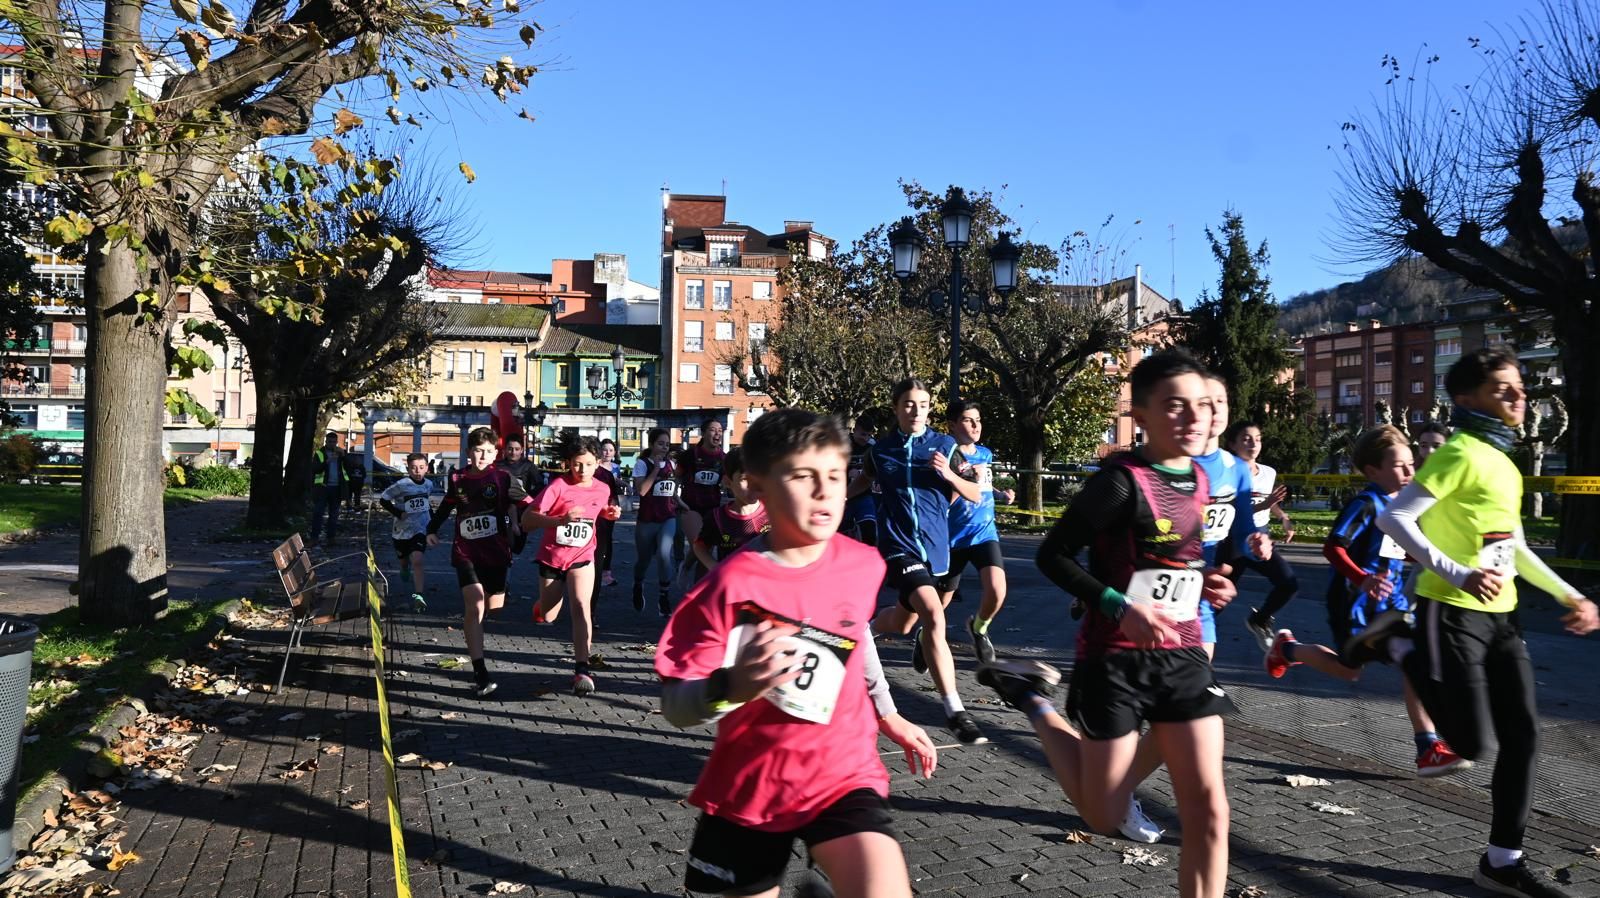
(819, 655)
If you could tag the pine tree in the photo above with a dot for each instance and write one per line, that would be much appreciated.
(1236, 334)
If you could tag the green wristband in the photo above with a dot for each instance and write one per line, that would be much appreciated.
(1113, 603)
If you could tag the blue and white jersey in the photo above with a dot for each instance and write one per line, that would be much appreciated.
(914, 510)
(411, 498)
(1231, 511)
(865, 506)
(972, 523)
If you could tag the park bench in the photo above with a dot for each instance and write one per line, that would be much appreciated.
(313, 601)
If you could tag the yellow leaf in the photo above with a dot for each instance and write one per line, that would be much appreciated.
(344, 120)
(198, 46)
(187, 10)
(467, 170)
(327, 150)
(273, 126)
(120, 859)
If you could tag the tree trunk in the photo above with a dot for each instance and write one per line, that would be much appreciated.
(297, 473)
(1535, 469)
(122, 552)
(267, 506)
(1580, 514)
(1030, 440)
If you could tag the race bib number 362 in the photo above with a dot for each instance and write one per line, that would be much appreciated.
(1219, 521)
(819, 655)
(1174, 593)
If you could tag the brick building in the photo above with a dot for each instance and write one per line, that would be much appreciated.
(1348, 371)
(575, 291)
(1150, 319)
(719, 295)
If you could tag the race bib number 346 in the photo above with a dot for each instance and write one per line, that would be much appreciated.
(1174, 593)
(819, 655)
(479, 526)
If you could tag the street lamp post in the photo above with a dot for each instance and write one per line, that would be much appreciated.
(955, 221)
(532, 419)
(618, 392)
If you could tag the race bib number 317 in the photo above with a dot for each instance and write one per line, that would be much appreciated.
(819, 655)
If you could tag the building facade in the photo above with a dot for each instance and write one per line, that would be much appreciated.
(720, 294)
(1151, 321)
(1350, 370)
(575, 291)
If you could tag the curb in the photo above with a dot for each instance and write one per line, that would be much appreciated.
(29, 820)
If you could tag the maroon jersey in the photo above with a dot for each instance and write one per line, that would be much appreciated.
(1157, 558)
(658, 503)
(483, 502)
(701, 473)
(724, 531)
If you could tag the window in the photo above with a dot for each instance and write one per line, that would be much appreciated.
(80, 333)
(722, 380)
(464, 364)
(724, 254)
(77, 375)
(480, 359)
(1110, 438)
(632, 376)
(1416, 416)
(1416, 356)
(75, 417)
(1438, 381)
(724, 330)
(1138, 435)
(181, 301)
(758, 334)
(1347, 360)
(1383, 358)
(221, 410)
(722, 295)
(761, 290)
(688, 373)
(1323, 378)
(1350, 388)
(1382, 388)
(563, 374)
(449, 365)
(1341, 418)
(694, 294)
(1416, 386)
(508, 361)
(694, 336)
(1449, 346)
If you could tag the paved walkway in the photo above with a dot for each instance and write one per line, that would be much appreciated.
(584, 797)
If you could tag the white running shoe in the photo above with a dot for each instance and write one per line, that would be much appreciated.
(1139, 828)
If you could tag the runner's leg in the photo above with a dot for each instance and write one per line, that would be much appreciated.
(1513, 709)
(418, 575)
(864, 865)
(1193, 752)
(580, 586)
(994, 593)
(551, 592)
(472, 619)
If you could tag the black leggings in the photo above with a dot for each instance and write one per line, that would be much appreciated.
(1471, 670)
(1277, 571)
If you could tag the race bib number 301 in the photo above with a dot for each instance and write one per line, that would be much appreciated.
(1174, 593)
(479, 526)
(819, 655)
(575, 534)
(1499, 553)
(1219, 521)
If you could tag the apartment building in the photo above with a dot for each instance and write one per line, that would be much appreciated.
(1152, 321)
(1348, 371)
(574, 291)
(720, 294)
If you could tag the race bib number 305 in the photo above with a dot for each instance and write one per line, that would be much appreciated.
(1219, 521)
(708, 478)
(479, 526)
(1499, 553)
(1174, 593)
(819, 655)
(575, 534)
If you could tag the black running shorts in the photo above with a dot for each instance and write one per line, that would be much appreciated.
(979, 556)
(404, 547)
(730, 859)
(548, 572)
(1111, 694)
(492, 579)
(907, 575)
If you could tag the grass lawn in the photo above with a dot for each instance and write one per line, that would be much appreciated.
(80, 673)
(26, 506)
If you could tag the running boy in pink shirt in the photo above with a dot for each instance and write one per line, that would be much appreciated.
(568, 511)
(734, 523)
(775, 646)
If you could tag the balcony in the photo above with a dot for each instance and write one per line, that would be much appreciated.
(59, 305)
(747, 261)
(45, 391)
(68, 347)
(694, 344)
(28, 347)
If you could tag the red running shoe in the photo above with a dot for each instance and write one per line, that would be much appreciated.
(1439, 760)
(1277, 665)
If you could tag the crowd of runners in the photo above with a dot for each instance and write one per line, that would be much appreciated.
(781, 546)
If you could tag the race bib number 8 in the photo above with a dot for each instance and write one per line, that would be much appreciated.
(665, 488)
(575, 534)
(1499, 553)
(1176, 594)
(1219, 522)
(479, 526)
(708, 478)
(1391, 549)
(819, 655)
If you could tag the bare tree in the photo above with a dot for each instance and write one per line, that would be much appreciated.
(1496, 182)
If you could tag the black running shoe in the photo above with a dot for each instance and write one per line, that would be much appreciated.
(1262, 628)
(664, 604)
(981, 646)
(482, 686)
(919, 661)
(638, 597)
(1516, 879)
(1019, 681)
(966, 729)
(1372, 643)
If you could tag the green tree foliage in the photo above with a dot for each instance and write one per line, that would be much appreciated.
(1075, 428)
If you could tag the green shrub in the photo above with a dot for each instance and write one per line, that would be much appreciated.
(177, 475)
(19, 455)
(221, 480)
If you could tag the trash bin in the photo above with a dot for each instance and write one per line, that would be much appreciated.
(17, 637)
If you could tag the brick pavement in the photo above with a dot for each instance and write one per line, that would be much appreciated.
(584, 797)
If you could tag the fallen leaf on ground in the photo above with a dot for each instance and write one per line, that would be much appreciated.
(213, 769)
(1594, 852)
(508, 888)
(360, 804)
(120, 859)
(1078, 836)
(1328, 807)
(344, 715)
(1019, 877)
(450, 715)
(1299, 782)
(333, 749)
(1251, 892)
(408, 757)
(1143, 857)
(435, 765)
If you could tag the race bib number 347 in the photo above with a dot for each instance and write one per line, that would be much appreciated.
(1174, 593)
(820, 656)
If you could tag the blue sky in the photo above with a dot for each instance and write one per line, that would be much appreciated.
(1161, 113)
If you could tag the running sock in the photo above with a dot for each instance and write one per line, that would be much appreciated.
(1039, 706)
(952, 705)
(1399, 648)
(980, 625)
(1503, 857)
(1287, 647)
(479, 668)
(1424, 739)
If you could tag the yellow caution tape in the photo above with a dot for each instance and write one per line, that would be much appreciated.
(1573, 563)
(402, 876)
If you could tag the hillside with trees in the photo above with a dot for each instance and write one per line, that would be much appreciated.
(1410, 290)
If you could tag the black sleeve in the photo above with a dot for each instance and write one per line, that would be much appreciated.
(390, 507)
(1104, 503)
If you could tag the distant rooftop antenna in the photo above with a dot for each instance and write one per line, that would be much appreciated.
(1172, 245)
(724, 188)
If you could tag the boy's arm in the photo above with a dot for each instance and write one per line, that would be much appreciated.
(702, 552)
(862, 481)
(963, 485)
(1357, 515)
(452, 498)
(1399, 521)
(1244, 517)
(1532, 568)
(690, 703)
(877, 683)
